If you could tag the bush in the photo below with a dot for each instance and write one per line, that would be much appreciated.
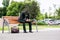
(41, 23)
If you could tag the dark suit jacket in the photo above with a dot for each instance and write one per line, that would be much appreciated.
(23, 17)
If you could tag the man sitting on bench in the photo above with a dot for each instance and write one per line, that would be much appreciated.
(24, 18)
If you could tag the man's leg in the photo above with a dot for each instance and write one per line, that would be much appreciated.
(30, 27)
(24, 28)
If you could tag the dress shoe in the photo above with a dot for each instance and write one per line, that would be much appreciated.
(30, 31)
(25, 32)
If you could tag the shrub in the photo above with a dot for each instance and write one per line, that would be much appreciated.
(41, 23)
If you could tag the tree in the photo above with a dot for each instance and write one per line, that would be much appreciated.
(17, 7)
(5, 3)
(1, 12)
(58, 13)
(13, 9)
(33, 8)
(46, 16)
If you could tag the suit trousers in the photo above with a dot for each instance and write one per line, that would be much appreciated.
(30, 26)
(24, 28)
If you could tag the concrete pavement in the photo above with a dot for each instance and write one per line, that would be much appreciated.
(46, 34)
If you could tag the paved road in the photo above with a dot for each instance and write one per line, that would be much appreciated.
(46, 34)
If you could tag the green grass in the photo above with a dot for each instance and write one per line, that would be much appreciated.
(34, 27)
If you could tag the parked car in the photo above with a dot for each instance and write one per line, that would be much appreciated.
(51, 21)
(47, 21)
(58, 21)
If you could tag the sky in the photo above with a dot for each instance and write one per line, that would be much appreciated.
(1, 3)
(45, 5)
(48, 5)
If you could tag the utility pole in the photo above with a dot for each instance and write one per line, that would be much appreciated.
(54, 9)
(49, 12)
(43, 13)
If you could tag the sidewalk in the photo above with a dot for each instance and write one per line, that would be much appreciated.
(44, 34)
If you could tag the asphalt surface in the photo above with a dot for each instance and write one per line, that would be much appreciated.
(46, 34)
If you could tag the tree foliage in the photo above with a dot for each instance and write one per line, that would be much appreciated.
(58, 13)
(1, 11)
(17, 7)
(5, 4)
(46, 16)
(12, 9)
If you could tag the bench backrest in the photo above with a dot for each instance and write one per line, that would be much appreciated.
(11, 19)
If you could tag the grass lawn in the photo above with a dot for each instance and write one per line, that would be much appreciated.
(34, 27)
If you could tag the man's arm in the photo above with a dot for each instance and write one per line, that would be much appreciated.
(28, 16)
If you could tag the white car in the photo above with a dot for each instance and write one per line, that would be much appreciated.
(51, 21)
(58, 21)
(47, 21)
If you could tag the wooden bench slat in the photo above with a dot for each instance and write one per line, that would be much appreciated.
(11, 19)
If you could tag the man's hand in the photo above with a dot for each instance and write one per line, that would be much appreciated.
(28, 20)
